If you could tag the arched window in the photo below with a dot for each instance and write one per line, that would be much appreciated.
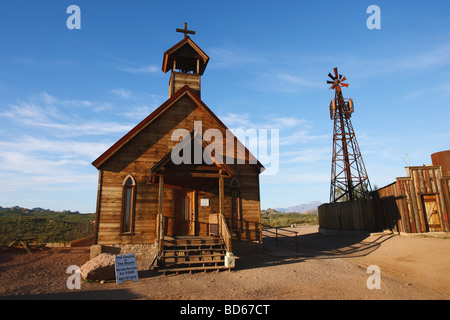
(128, 204)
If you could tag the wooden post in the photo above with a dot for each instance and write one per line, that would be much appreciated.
(194, 212)
(276, 236)
(99, 200)
(160, 226)
(221, 194)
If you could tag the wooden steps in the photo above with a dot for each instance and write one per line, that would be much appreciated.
(188, 254)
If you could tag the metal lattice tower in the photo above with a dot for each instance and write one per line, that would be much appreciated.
(349, 180)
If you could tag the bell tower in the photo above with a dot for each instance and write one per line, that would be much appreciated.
(187, 63)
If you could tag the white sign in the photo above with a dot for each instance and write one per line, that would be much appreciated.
(126, 268)
(204, 202)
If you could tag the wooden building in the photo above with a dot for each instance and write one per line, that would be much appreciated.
(179, 179)
(419, 202)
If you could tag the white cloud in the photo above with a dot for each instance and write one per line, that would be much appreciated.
(405, 63)
(63, 148)
(25, 110)
(299, 177)
(50, 100)
(48, 143)
(141, 69)
(246, 121)
(122, 93)
(302, 135)
(139, 112)
(22, 171)
(33, 62)
(292, 130)
(47, 112)
(443, 89)
(234, 57)
(281, 81)
(424, 60)
(308, 155)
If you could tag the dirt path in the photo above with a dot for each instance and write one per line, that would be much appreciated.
(326, 267)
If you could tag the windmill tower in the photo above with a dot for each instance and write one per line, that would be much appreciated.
(349, 180)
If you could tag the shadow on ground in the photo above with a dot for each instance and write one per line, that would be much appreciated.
(310, 246)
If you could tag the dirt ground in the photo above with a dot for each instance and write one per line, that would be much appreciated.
(325, 268)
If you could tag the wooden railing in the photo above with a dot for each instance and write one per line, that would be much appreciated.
(218, 226)
(291, 239)
(214, 225)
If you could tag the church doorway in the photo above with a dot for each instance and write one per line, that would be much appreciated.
(185, 212)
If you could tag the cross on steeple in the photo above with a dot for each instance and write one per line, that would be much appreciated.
(185, 30)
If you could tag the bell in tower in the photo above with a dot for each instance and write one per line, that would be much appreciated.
(187, 63)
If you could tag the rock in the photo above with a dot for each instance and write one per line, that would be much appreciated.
(100, 268)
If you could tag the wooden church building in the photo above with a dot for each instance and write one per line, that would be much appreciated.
(179, 187)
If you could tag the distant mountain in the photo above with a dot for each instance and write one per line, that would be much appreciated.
(24, 211)
(301, 207)
(270, 211)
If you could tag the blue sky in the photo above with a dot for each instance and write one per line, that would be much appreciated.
(67, 95)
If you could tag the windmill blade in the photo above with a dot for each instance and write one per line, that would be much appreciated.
(338, 81)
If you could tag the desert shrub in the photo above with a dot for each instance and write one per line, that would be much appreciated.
(287, 219)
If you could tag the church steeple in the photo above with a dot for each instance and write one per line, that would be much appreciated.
(187, 63)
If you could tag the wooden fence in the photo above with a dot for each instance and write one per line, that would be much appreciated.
(352, 215)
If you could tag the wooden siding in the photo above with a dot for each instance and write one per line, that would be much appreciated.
(178, 80)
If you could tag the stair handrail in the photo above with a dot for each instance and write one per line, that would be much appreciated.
(224, 231)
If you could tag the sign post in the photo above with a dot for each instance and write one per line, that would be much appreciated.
(126, 268)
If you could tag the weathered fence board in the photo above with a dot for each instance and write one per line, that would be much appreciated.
(351, 215)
